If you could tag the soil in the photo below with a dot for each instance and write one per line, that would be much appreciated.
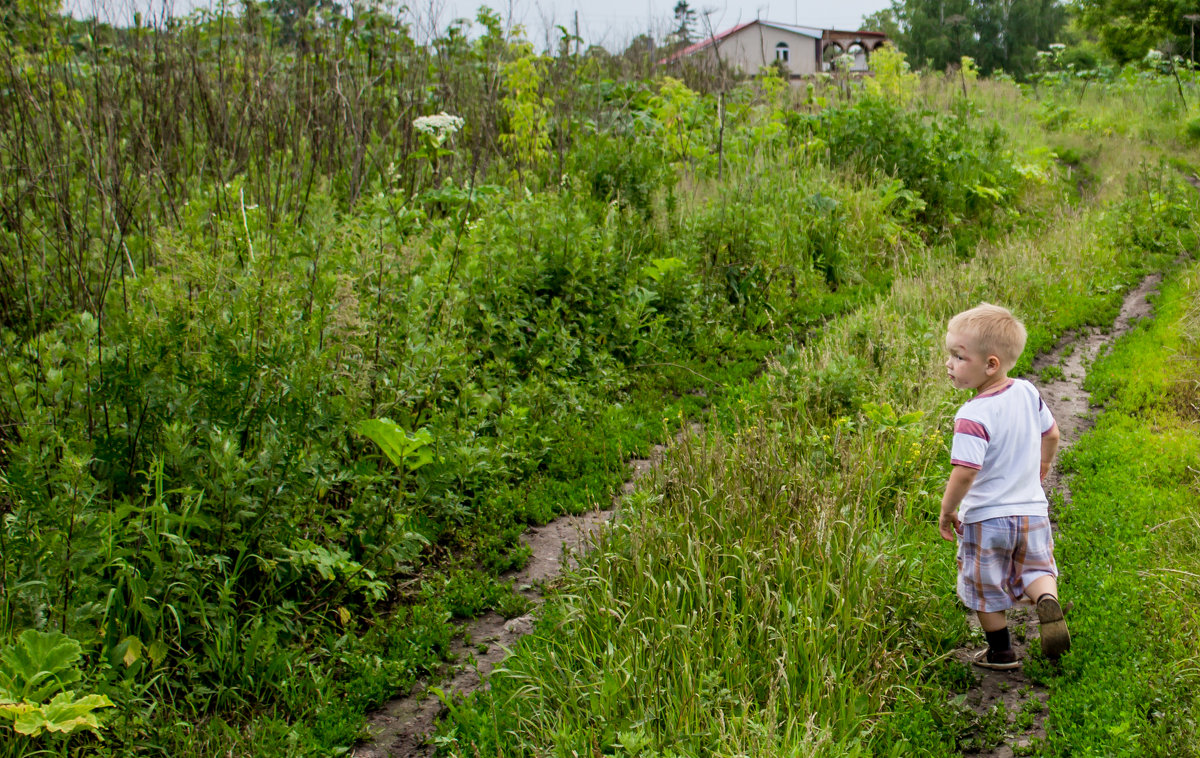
(400, 729)
(1074, 413)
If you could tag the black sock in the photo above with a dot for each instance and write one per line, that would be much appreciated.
(998, 640)
(1044, 595)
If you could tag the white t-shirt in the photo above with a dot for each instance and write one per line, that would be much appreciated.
(1000, 436)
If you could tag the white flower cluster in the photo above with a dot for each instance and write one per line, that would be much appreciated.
(438, 127)
(1153, 56)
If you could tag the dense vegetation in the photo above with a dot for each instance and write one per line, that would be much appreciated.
(303, 323)
(779, 591)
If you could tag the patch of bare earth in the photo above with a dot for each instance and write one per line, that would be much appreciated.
(1072, 409)
(401, 728)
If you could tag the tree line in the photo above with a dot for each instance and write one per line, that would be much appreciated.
(1006, 35)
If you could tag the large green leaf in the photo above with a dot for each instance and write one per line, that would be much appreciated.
(38, 664)
(64, 714)
(404, 450)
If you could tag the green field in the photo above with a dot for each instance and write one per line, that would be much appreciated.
(287, 369)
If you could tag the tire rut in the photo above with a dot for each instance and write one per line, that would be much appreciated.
(401, 728)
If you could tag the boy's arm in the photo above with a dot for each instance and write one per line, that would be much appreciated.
(1049, 448)
(961, 478)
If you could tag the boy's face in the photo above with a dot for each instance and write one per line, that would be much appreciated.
(967, 367)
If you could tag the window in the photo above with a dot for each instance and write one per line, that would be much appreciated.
(781, 52)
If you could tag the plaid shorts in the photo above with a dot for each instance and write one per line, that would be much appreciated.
(999, 557)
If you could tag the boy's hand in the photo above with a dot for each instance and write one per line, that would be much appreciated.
(961, 479)
(949, 526)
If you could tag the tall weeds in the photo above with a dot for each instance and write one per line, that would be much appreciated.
(225, 245)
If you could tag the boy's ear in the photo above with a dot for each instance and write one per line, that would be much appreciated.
(993, 364)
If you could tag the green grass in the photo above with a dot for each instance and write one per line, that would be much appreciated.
(1129, 549)
(779, 589)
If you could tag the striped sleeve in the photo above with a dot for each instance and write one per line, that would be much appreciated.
(1045, 417)
(970, 443)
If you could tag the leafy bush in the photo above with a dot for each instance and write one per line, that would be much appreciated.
(1193, 128)
(957, 167)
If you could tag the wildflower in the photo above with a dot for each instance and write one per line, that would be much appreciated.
(1057, 46)
(439, 127)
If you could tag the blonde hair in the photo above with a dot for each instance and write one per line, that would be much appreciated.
(995, 332)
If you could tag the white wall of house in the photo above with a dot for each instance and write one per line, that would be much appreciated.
(755, 46)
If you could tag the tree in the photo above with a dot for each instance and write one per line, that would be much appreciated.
(685, 22)
(1010, 32)
(1128, 29)
(882, 21)
(293, 12)
(30, 23)
(998, 34)
(925, 35)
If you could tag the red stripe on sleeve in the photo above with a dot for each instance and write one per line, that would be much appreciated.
(972, 428)
(965, 464)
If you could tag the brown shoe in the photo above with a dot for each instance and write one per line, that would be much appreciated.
(1002, 660)
(1056, 640)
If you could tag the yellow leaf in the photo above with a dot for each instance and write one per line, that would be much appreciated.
(133, 652)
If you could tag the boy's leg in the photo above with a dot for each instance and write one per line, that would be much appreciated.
(980, 585)
(999, 653)
(1042, 589)
(992, 621)
(1056, 640)
(1043, 585)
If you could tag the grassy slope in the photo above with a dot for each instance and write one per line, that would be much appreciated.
(778, 588)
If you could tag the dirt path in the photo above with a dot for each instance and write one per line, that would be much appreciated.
(1063, 392)
(400, 728)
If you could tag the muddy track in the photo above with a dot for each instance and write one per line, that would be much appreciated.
(1072, 409)
(401, 727)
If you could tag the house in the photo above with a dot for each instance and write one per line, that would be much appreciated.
(802, 50)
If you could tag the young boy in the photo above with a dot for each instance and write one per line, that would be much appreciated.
(1004, 441)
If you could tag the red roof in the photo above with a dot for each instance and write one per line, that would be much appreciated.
(705, 43)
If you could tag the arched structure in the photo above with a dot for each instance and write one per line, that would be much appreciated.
(860, 44)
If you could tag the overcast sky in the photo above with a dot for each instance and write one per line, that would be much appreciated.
(612, 23)
(615, 22)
